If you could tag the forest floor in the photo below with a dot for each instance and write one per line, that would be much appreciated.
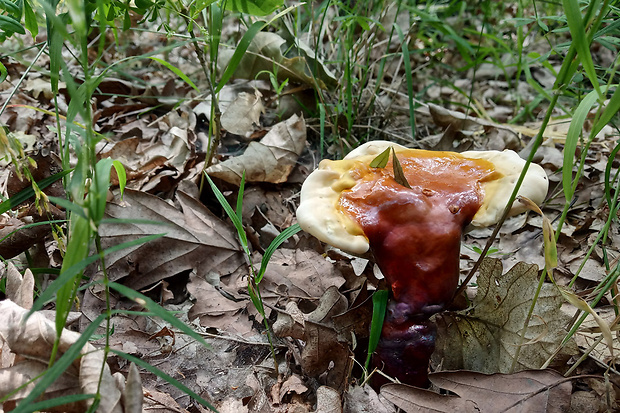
(318, 299)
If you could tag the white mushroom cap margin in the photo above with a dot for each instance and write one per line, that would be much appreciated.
(318, 214)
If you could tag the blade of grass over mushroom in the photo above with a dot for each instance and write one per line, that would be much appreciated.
(54, 372)
(381, 160)
(158, 310)
(177, 72)
(399, 175)
(163, 376)
(379, 306)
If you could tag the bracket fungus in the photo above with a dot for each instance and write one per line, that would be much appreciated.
(413, 232)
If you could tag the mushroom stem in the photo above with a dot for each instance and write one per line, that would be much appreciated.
(404, 349)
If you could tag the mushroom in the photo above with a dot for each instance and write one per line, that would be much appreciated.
(414, 233)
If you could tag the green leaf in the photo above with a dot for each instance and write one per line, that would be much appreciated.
(121, 174)
(399, 175)
(177, 72)
(240, 196)
(379, 305)
(30, 19)
(10, 25)
(3, 73)
(254, 7)
(10, 7)
(236, 220)
(381, 160)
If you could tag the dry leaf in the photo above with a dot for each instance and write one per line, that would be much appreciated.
(485, 338)
(33, 337)
(195, 239)
(328, 400)
(325, 350)
(19, 289)
(243, 113)
(532, 391)
(270, 160)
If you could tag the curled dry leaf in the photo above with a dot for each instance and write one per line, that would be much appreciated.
(534, 391)
(93, 379)
(328, 400)
(325, 350)
(485, 338)
(195, 239)
(19, 289)
(270, 160)
(33, 338)
(243, 113)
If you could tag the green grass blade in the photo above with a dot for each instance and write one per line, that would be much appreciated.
(612, 156)
(164, 376)
(242, 47)
(578, 34)
(158, 310)
(240, 197)
(572, 138)
(121, 174)
(612, 107)
(231, 214)
(379, 306)
(177, 72)
(27, 193)
(283, 236)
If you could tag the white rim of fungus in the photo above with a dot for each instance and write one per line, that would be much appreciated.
(317, 213)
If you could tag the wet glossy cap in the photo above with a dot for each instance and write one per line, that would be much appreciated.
(319, 215)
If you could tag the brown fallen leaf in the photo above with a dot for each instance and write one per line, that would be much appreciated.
(485, 338)
(243, 114)
(195, 239)
(270, 160)
(32, 339)
(325, 350)
(532, 391)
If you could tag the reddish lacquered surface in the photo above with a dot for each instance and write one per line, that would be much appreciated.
(415, 233)
(415, 236)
